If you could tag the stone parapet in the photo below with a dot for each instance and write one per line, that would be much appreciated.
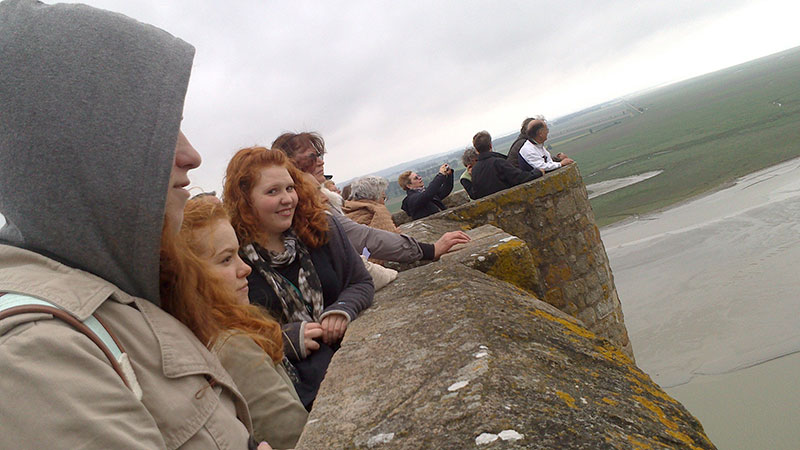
(452, 357)
(554, 217)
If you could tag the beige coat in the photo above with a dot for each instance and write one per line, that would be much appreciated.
(59, 390)
(370, 213)
(278, 415)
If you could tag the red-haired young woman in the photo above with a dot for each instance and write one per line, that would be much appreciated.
(305, 271)
(250, 346)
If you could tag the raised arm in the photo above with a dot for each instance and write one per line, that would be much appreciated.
(434, 189)
(447, 186)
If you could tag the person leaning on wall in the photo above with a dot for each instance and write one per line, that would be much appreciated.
(534, 156)
(90, 107)
(492, 172)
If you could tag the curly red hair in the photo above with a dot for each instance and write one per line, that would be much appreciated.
(199, 300)
(310, 221)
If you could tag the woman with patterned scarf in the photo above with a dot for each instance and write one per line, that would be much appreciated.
(251, 346)
(304, 270)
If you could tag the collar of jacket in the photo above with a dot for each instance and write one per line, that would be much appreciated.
(487, 155)
(81, 293)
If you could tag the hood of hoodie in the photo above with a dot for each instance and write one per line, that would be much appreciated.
(90, 109)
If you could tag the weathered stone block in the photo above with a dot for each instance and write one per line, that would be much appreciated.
(555, 297)
(604, 308)
(588, 317)
(448, 354)
(557, 224)
(496, 253)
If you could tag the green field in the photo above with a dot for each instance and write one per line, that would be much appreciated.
(703, 133)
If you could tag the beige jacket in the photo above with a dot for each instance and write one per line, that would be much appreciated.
(59, 390)
(370, 213)
(278, 415)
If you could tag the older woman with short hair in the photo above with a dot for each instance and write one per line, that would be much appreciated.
(469, 158)
(366, 205)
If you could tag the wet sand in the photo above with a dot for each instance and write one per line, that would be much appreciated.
(604, 187)
(711, 287)
(754, 408)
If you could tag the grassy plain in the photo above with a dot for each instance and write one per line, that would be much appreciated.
(703, 132)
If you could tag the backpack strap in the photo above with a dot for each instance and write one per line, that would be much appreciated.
(14, 304)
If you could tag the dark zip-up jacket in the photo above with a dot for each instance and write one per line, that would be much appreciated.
(421, 203)
(513, 152)
(493, 173)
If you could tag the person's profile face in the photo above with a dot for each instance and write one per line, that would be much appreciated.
(186, 158)
(310, 160)
(543, 133)
(221, 253)
(415, 181)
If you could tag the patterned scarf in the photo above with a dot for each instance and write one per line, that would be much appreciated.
(303, 302)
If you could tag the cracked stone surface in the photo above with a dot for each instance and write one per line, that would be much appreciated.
(544, 376)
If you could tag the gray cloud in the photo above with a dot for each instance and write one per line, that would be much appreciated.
(389, 81)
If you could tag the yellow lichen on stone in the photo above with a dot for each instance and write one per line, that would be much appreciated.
(609, 401)
(672, 427)
(613, 354)
(639, 445)
(514, 265)
(648, 387)
(575, 328)
(472, 211)
(514, 197)
(568, 399)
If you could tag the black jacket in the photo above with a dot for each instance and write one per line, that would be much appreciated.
(467, 183)
(422, 203)
(346, 287)
(513, 152)
(493, 173)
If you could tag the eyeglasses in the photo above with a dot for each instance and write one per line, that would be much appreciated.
(316, 155)
(416, 177)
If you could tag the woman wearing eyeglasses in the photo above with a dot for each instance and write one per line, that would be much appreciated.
(306, 151)
(420, 201)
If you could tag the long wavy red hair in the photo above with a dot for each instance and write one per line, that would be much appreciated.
(310, 221)
(198, 299)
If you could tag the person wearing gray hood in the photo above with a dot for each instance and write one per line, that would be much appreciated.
(92, 167)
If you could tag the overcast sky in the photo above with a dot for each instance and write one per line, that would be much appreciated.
(386, 82)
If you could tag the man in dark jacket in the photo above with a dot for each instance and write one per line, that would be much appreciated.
(493, 173)
(420, 201)
(513, 152)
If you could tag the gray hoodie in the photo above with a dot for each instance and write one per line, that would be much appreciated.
(90, 108)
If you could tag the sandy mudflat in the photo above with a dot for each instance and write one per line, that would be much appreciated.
(712, 287)
(754, 408)
(604, 187)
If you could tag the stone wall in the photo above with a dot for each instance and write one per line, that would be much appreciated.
(459, 354)
(552, 215)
